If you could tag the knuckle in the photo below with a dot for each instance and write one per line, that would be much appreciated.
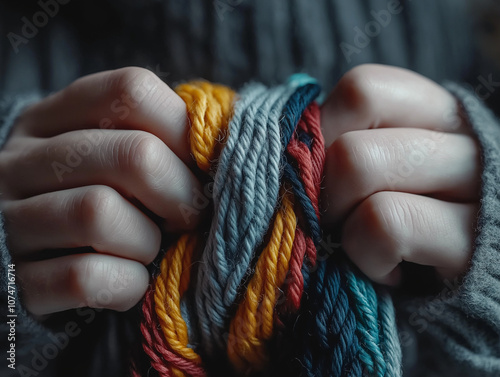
(143, 86)
(135, 82)
(353, 161)
(355, 90)
(81, 277)
(379, 222)
(97, 282)
(96, 205)
(145, 155)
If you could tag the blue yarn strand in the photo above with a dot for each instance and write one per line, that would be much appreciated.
(294, 108)
(292, 112)
(330, 347)
(313, 226)
(365, 304)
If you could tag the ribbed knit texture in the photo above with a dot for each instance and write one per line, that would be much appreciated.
(457, 333)
(232, 41)
(10, 108)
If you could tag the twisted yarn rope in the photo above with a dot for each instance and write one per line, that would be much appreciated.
(389, 337)
(366, 309)
(222, 296)
(380, 352)
(309, 154)
(210, 107)
(329, 341)
(245, 195)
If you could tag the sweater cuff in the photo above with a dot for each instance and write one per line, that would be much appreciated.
(20, 332)
(481, 290)
(457, 333)
(10, 109)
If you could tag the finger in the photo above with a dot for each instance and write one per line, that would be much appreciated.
(73, 281)
(376, 96)
(361, 163)
(127, 98)
(95, 216)
(135, 163)
(388, 228)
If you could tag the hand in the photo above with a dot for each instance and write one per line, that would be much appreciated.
(81, 169)
(402, 173)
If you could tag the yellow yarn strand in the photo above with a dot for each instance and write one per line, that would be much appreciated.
(210, 109)
(253, 324)
(168, 295)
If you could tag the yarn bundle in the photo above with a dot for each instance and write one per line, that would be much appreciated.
(248, 293)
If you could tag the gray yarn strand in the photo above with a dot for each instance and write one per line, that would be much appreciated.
(245, 195)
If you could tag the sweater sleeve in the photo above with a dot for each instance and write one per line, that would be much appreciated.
(20, 333)
(457, 332)
(10, 108)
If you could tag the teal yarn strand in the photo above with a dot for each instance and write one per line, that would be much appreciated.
(376, 327)
(366, 308)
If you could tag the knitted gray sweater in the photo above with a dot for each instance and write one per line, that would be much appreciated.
(456, 333)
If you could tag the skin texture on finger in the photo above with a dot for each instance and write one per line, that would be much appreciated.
(135, 163)
(127, 98)
(361, 163)
(376, 96)
(98, 281)
(95, 216)
(388, 228)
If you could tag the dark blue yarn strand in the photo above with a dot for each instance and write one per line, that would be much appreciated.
(330, 347)
(326, 339)
(295, 106)
(333, 326)
(305, 138)
(304, 201)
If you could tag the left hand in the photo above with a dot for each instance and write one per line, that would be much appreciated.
(403, 173)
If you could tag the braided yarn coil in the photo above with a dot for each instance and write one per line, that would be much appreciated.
(247, 294)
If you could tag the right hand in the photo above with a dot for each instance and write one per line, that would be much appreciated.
(402, 173)
(82, 168)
